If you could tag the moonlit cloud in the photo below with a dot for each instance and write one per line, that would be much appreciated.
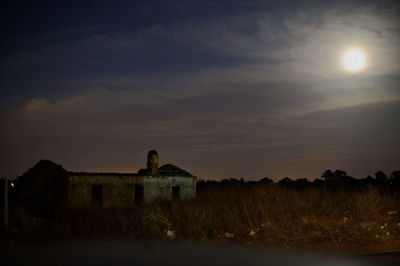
(253, 94)
(36, 104)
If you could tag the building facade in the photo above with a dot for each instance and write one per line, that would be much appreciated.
(48, 183)
(125, 190)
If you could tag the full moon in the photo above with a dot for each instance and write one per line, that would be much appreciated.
(354, 60)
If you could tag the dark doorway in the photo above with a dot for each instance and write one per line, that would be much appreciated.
(176, 191)
(139, 194)
(97, 196)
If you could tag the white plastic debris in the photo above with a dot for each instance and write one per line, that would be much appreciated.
(171, 234)
(228, 235)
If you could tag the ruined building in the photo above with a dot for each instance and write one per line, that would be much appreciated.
(47, 185)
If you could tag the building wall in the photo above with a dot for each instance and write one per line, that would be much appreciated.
(161, 187)
(119, 191)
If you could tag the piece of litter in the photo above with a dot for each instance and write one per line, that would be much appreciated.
(171, 234)
(228, 235)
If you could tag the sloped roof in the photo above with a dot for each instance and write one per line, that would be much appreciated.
(49, 168)
(102, 174)
(172, 170)
(165, 170)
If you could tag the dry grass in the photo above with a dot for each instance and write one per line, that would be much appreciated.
(358, 222)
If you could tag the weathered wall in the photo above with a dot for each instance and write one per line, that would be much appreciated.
(119, 191)
(161, 187)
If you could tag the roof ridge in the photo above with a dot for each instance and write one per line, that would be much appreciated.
(173, 170)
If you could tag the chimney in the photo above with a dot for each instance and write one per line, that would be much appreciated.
(152, 162)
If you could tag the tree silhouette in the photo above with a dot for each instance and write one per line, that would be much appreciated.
(395, 179)
(395, 176)
(328, 175)
(381, 178)
(340, 174)
(286, 182)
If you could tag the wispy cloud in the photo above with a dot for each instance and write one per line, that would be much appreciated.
(263, 93)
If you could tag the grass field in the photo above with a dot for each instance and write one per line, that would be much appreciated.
(366, 221)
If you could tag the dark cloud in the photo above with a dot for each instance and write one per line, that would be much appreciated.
(247, 90)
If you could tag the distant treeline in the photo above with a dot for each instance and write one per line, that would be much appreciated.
(337, 179)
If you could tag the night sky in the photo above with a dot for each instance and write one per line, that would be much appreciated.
(220, 88)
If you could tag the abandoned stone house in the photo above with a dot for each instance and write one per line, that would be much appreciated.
(48, 184)
(167, 182)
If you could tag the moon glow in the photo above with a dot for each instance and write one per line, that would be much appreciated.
(354, 60)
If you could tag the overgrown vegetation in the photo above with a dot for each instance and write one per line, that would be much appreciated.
(314, 218)
(336, 213)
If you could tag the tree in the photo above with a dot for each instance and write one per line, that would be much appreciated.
(285, 182)
(395, 176)
(395, 179)
(43, 188)
(328, 175)
(381, 177)
(302, 183)
(340, 174)
(266, 180)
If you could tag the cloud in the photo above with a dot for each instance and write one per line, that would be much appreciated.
(36, 104)
(309, 44)
(282, 45)
(259, 94)
(116, 128)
